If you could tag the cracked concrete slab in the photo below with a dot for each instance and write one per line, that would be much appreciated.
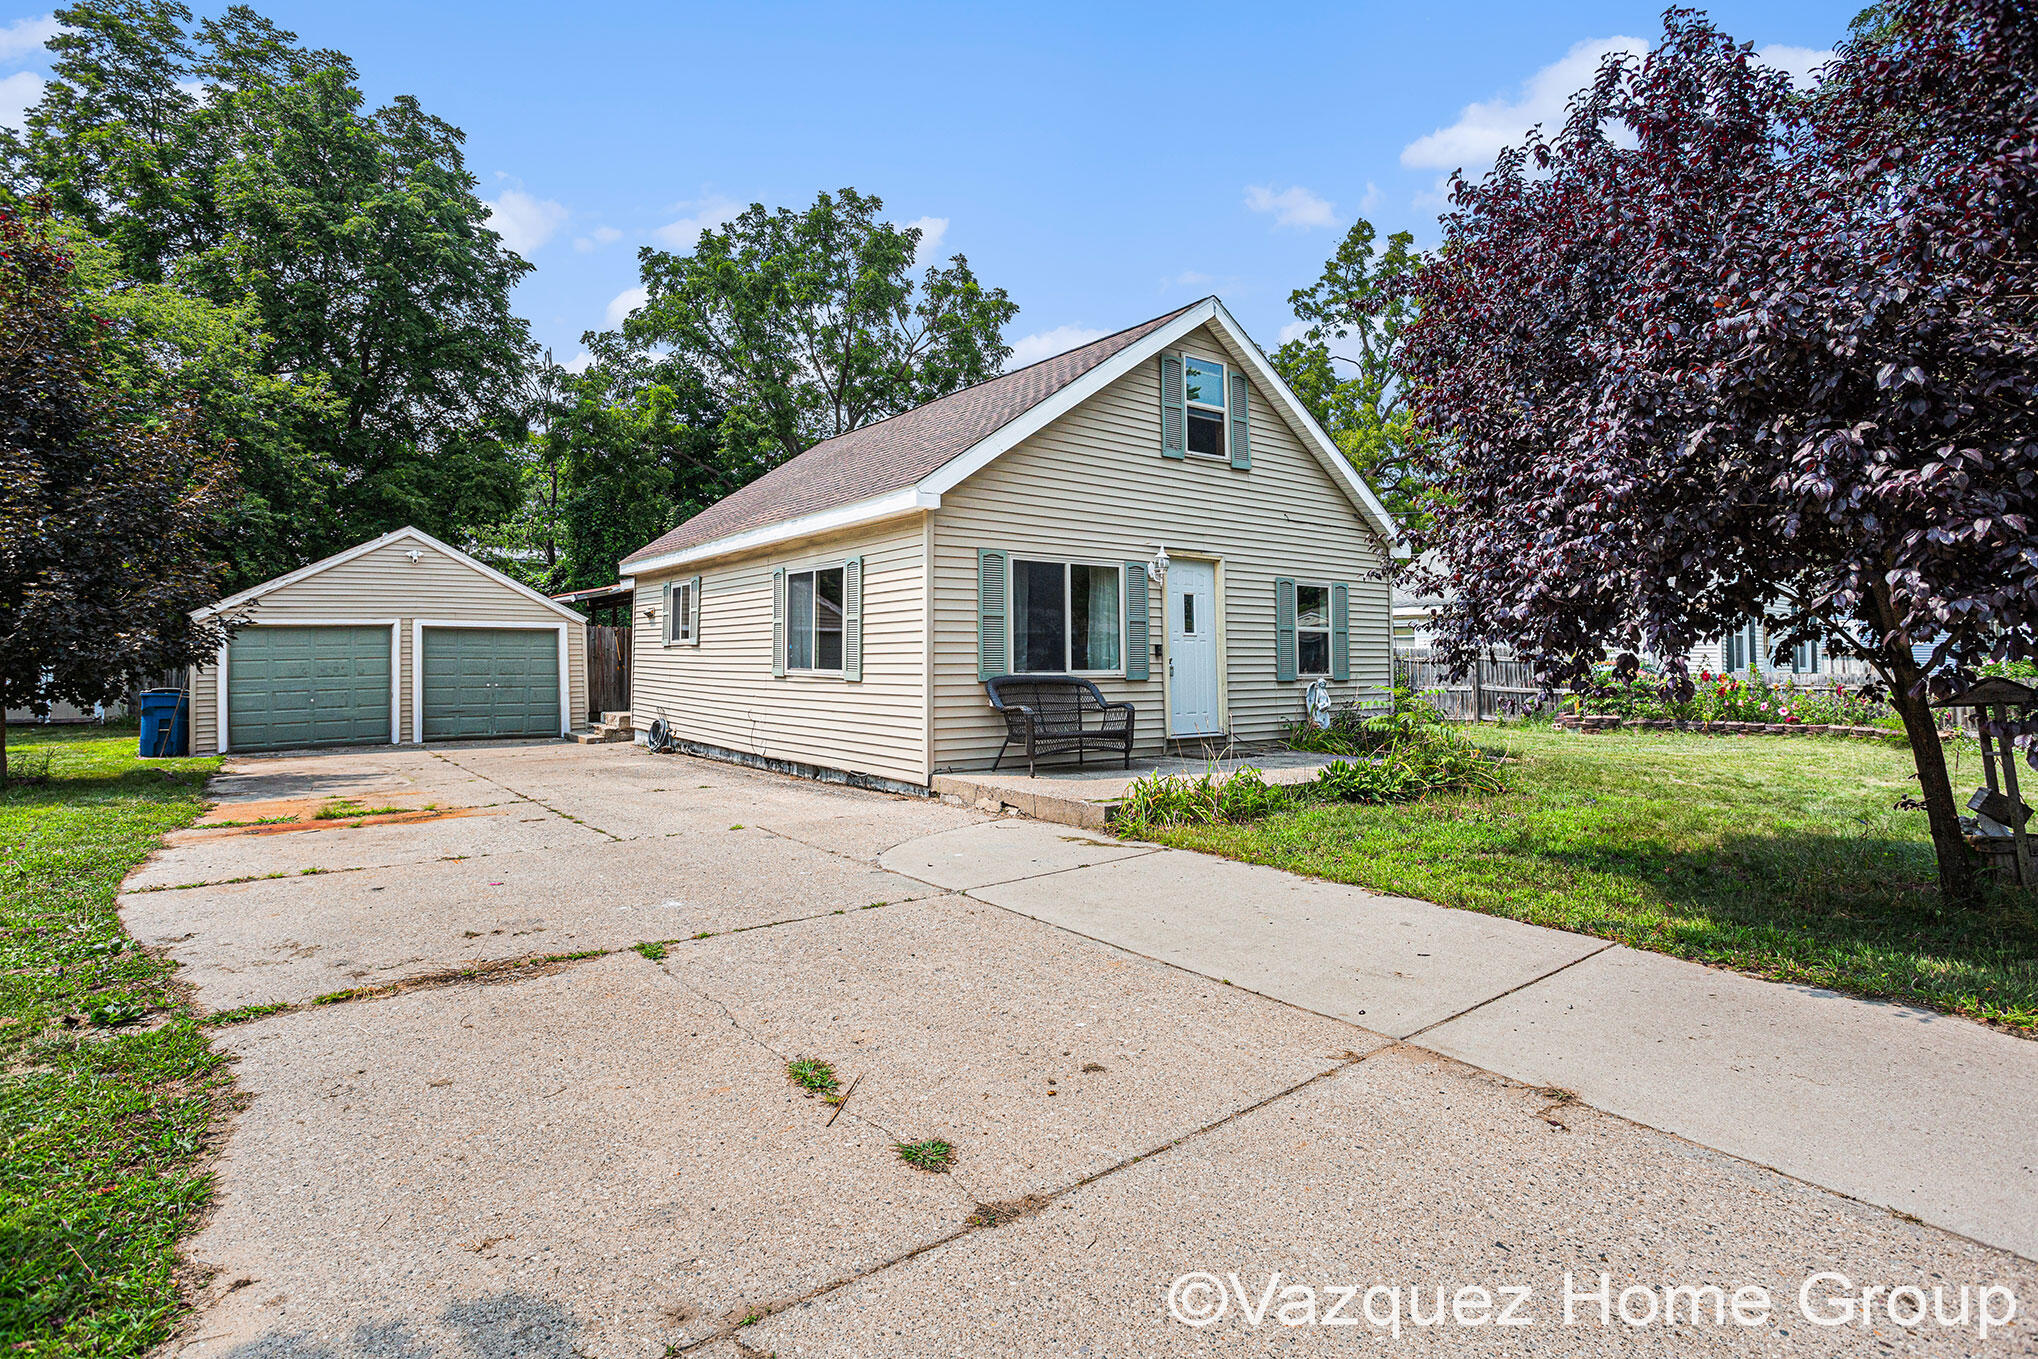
(295, 938)
(1386, 963)
(594, 1163)
(1003, 850)
(1406, 1170)
(1923, 1112)
(228, 853)
(1040, 1057)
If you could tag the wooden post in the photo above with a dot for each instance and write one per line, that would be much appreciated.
(2008, 751)
(1478, 688)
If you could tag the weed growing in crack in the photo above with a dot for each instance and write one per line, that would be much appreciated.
(653, 951)
(933, 1156)
(812, 1075)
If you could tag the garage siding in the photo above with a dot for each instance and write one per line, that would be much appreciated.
(384, 584)
(722, 692)
(1094, 486)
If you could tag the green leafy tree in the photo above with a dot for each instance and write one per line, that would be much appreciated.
(108, 503)
(246, 169)
(804, 325)
(1343, 365)
(166, 348)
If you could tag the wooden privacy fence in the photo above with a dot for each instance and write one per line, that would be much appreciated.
(1495, 687)
(608, 670)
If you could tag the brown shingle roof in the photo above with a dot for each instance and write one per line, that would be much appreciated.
(892, 454)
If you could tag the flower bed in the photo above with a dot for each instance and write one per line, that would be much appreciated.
(1598, 722)
(1745, 700)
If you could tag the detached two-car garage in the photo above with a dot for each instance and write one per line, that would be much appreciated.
(398, 640)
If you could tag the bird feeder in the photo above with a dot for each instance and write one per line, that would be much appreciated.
(1997, 826)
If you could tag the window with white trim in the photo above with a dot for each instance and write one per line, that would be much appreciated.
(813, 638)
(1067, 618)
(682, 611)
(1312, 629)
(1204, 388)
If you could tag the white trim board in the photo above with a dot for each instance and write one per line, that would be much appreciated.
(255, 592)
(417, 666)
(887, 506)
(219, 717)
(926, 494)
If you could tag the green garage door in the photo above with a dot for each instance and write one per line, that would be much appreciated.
(307, 687)
(491, 682)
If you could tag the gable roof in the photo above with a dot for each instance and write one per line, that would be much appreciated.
(906, 462)
(894, 453)
(255, 592)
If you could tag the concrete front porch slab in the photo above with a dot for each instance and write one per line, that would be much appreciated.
(1922, 1112)
(1090, 797)
(1388, 963)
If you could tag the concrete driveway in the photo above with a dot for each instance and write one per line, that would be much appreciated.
(517, 1086)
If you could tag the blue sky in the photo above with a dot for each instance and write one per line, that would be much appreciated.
(1101, 162)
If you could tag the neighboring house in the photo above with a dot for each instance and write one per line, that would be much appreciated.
(60, 712)
(401, 639)
(1154, 511)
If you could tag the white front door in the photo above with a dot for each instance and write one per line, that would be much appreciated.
(1192, 648)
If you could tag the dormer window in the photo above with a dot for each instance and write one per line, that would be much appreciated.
(1204, 388)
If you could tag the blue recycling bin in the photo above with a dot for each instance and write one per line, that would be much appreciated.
(165, 723)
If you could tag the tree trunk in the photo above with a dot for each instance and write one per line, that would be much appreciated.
(1958, 884)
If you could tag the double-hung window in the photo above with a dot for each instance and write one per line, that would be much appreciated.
(1204, 390)
(813, 639)
(682, 611)
(1312, 629)
(1067, 618)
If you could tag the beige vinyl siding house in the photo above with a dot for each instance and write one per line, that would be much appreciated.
(390, 601)
(716, 688)
(1154, 512)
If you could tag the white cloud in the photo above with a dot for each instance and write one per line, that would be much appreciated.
(1370, 199)
(1046, 344)
(1800, 62)
(596, 239)
(579, 363)
(1188, 278)
(1292, 207)
(625, 302)
(18, 93)
(524, 222)
(932, 229)
(1294, 330)
(703, 214)
(1483, 130)
(25, 37)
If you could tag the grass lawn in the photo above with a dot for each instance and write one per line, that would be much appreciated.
(108, 1089)
(1780, 857)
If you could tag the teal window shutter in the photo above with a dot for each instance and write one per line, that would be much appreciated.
(665, 612)
(1137, 647)
(852, 619)
(1284, 629)
(693, 595)
(1340, 631)
(778, 623)
(1241, 434)
(1174, 409)
(993, 645)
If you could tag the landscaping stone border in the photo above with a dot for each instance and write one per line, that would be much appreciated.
(1597, 722)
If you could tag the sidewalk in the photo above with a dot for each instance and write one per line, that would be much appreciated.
(1922, 1113)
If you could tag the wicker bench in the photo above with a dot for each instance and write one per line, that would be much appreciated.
(1047, 713)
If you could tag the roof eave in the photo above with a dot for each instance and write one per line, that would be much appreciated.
(873, 509)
